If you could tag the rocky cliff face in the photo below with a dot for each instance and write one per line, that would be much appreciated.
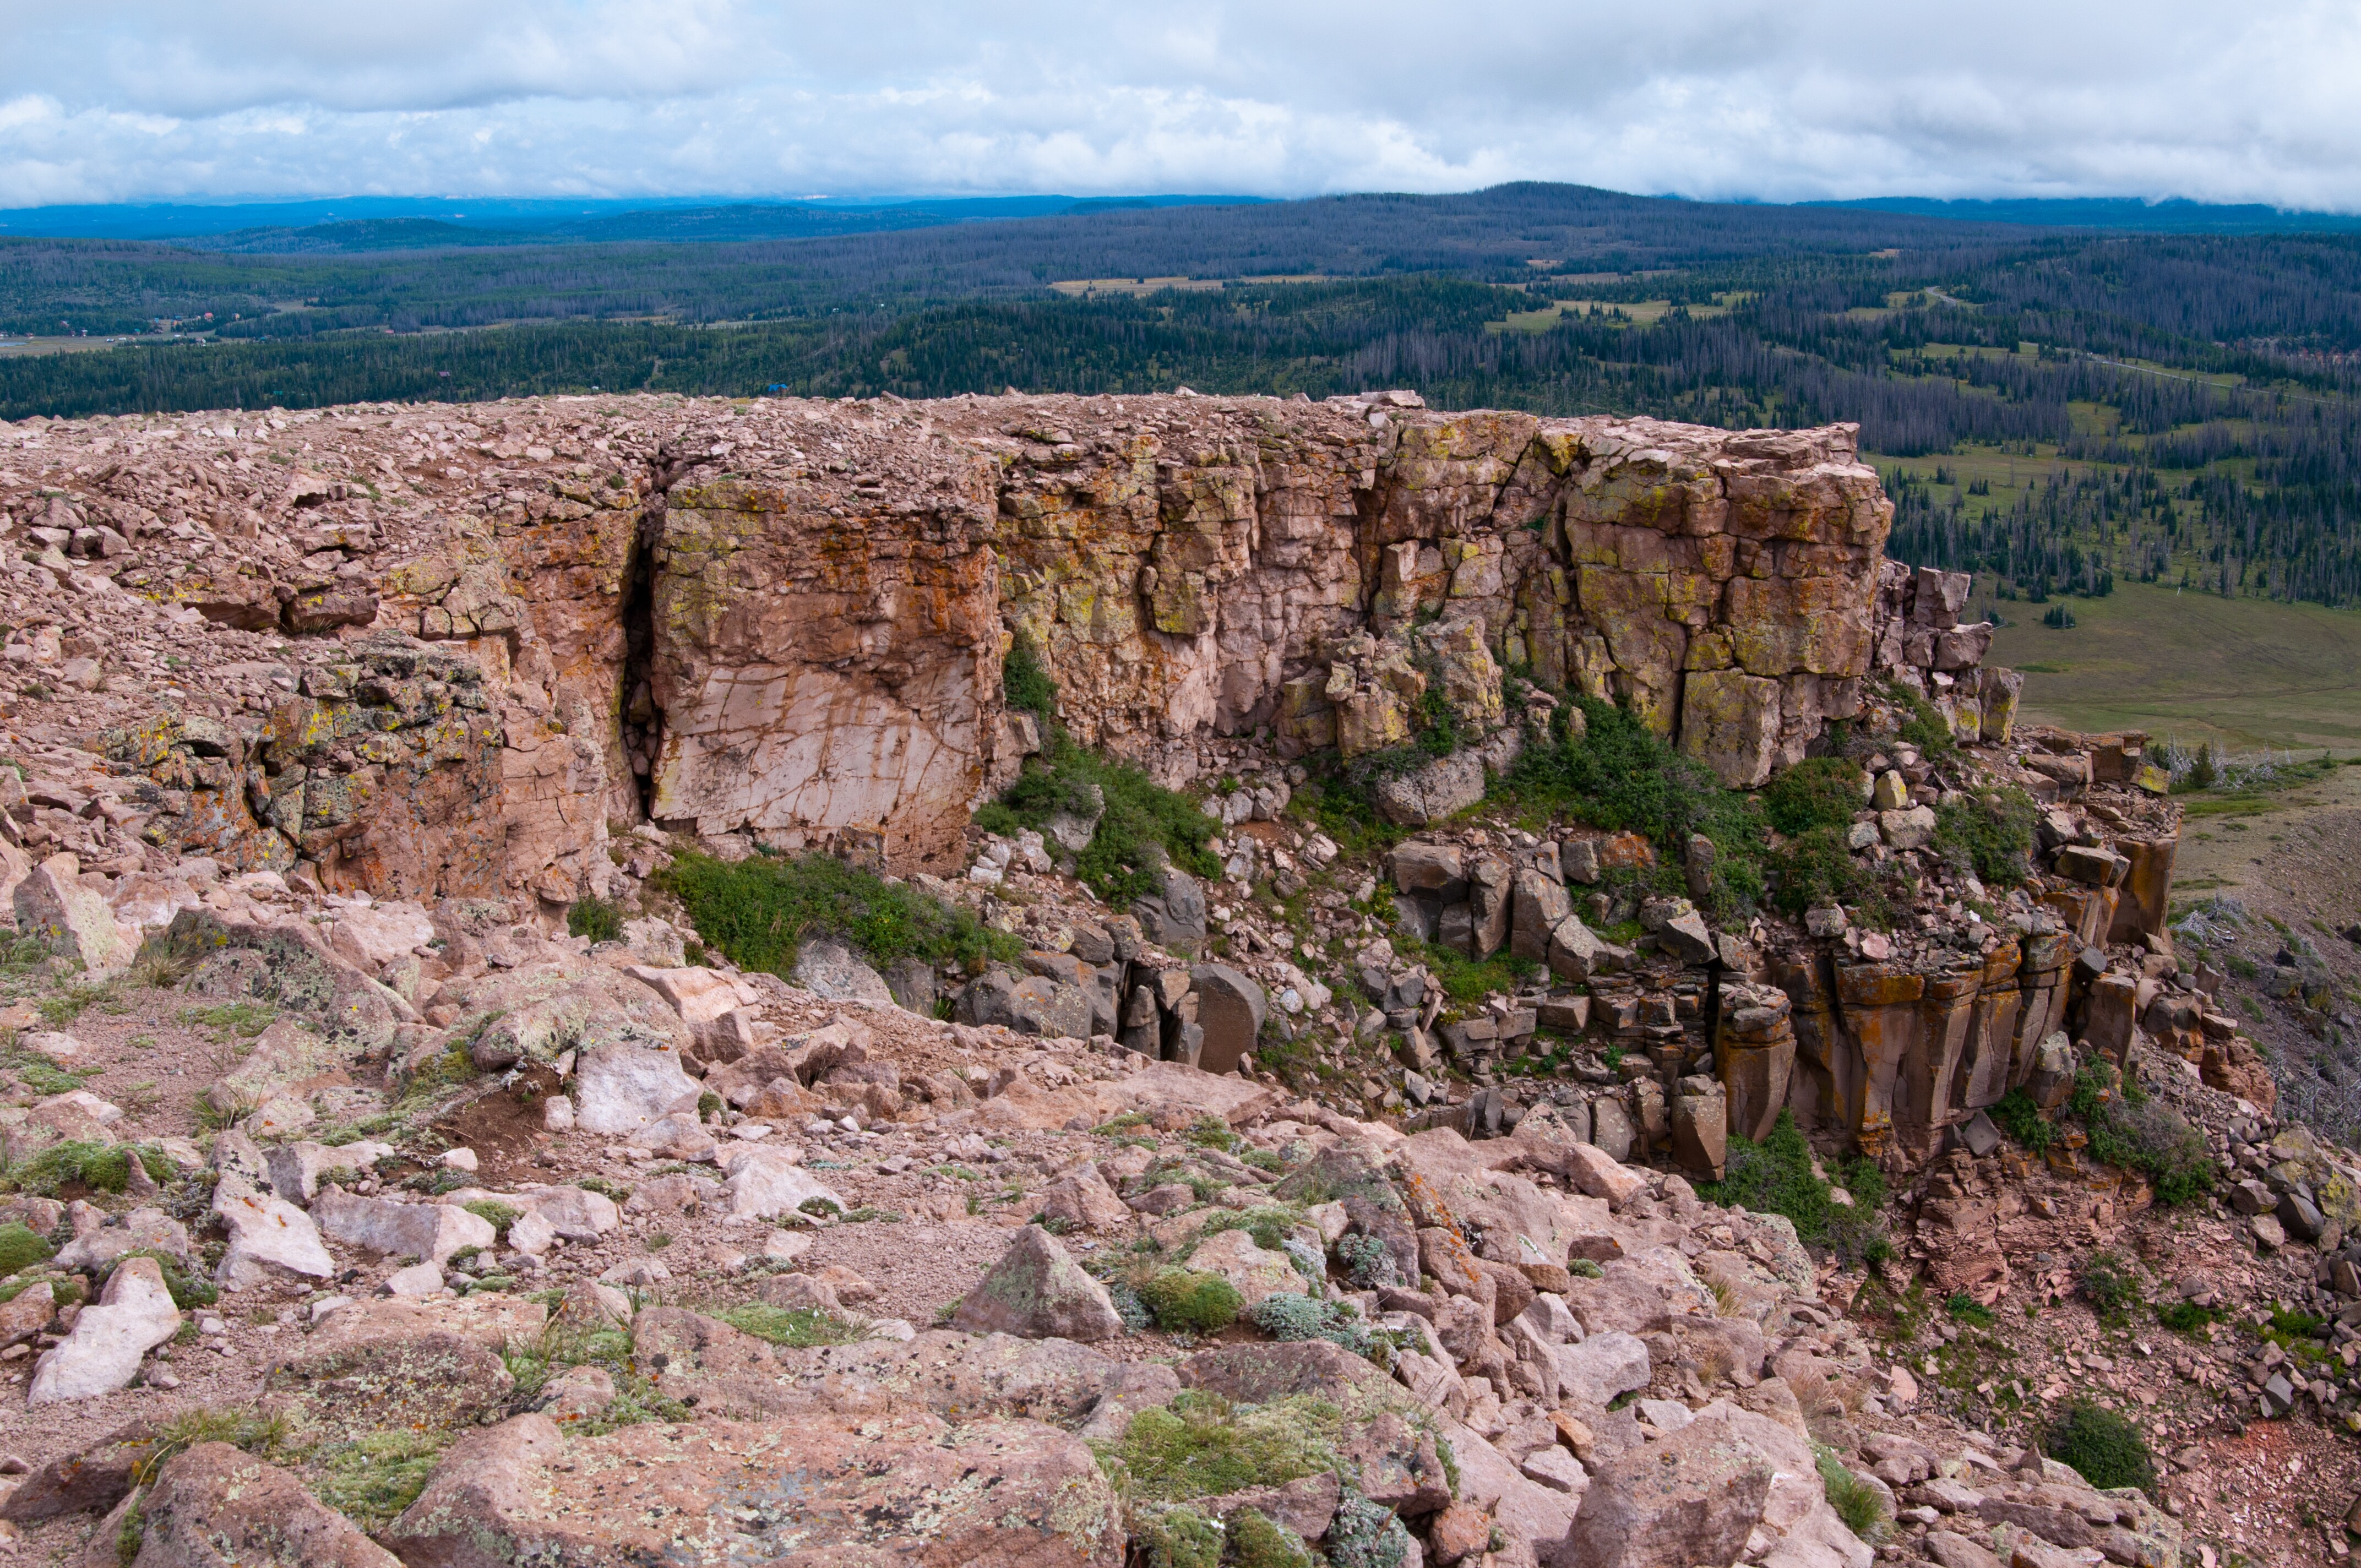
(443, 654)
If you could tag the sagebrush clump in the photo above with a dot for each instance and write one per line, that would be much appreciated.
(2103, 1447)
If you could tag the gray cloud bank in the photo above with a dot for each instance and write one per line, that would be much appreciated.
(1782, 99)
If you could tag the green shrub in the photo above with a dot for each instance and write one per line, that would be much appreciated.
(597, 918)
(1142, 826)
(495, 1214)
(1817, 868)
(1202, 1446)
(1990, 834)
(796, 1327)
(759, 910)
(1177, 1537)
(2185, 1318)
(21, 1247)
(1025, 684)
(1585, 1267)
(1366, 1535)
(1620, 775)
(1926, 728)
(2024, 1120)
(1288, 1316)
(1190, 1302)
(1817, 792)
(2103, 1448)
(2127, 1129)
(2109, 1284)
(1257, 1542)
(99, 1167)
(1965, 1308)
(1775, 1177)
(1367, 1261)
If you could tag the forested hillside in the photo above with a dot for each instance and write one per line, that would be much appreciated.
(2055, 409)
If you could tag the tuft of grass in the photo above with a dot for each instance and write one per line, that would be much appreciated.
(600, 919)
(264, 1435)
(759, 911)
(1142, 826)
(795, 1327)
(1856, 1502)
(493, 1212)
(1926, 729)
(97, 1168)
(38, 1073)
(75, 998)
(1775, 1177)
(1190, 1302)
(21, 1247)
(1202, 1446)
(243, 1019)
(371, 1479)
(2103, 1447)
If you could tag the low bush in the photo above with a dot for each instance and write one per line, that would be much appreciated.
(2109, 1285)
(1190, 1302)
(97, 1168)
(600, 919)
(1617, 774)
(758, 911)
(21, 1247)
(795, 1327)
(1202, 1446)
(2024, 1120)
(1367, 1261)
(2129, 1130)
(1990, 834)
(1817, 868)
(1926, 728)
(1289, 1316)
(1775, 1177)
(1024, 682)
(1965, 1308)
(1366, 1534)
(2185, 1318)
(1817, 792)
(1257, 1542)
(2103, 1448)
(1142, 826)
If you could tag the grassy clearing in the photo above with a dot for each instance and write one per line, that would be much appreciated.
(798, 1327)
(2241, 673)
(759, 911)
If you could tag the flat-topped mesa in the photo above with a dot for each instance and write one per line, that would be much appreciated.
(435, 651)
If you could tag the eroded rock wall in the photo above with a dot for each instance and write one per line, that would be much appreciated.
(786, 620)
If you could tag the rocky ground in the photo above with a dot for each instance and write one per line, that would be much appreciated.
(1438, 1181)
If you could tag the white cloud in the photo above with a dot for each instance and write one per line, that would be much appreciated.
(1778, 99)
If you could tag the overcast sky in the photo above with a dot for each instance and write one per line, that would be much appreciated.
(1776, 99)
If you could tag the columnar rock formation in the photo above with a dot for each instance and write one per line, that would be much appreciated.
(787, 619)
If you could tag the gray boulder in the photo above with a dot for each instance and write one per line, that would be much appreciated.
(1175, 918)
(1036, 1291)
(1231, 1009)
(1444, 787)
(828, 967)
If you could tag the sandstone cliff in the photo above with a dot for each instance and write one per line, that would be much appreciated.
(441, 654)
